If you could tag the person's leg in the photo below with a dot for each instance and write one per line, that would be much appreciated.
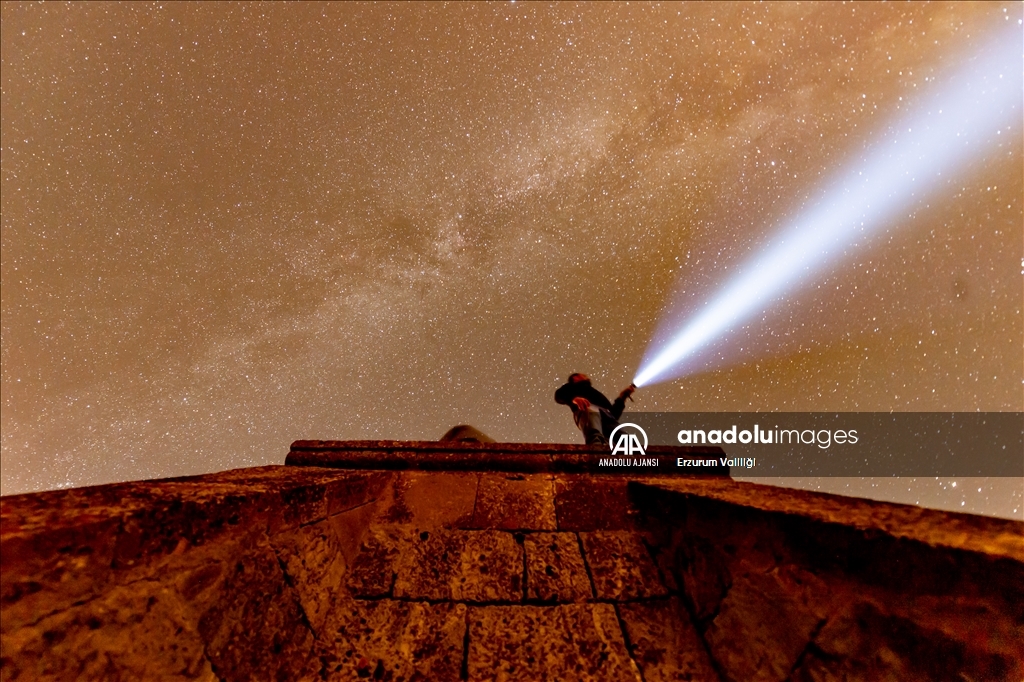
(608, 424)
(589, 423)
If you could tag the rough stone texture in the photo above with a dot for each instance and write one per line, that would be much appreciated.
(703, 570)
(593, 503)
(431, 500)
(393, 640)
(866, 643)
(257, 625)
(515, 502)
(568, 642)
(555, 571)
(664, 642)
(100, 640)
(782, 589)
(458, 565)
(43, 571)
(67, 542)
(228, 603)
(373, 571)
(350, 528)
(746, 638)
(311, 573)
(621, 566)
(983, 534)
(224, 574)
(313, 565)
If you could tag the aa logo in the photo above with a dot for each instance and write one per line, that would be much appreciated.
(627, 442)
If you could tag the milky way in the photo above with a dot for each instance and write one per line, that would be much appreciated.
(228, 227)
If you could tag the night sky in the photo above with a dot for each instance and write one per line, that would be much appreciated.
(228, 227)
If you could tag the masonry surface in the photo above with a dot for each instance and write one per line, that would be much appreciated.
(406, 561)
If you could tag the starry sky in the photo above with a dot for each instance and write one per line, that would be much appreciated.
(226, 227)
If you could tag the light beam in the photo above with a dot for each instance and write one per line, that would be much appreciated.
(963, 118)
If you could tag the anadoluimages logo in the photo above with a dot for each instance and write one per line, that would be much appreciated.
(628, 443)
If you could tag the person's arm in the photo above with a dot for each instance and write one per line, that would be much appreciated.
(580, 404)
(568, 395)
(620, 403)
(565, 394)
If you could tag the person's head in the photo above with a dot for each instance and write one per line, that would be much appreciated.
(578, 377)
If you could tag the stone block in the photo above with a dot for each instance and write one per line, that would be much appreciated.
(314, 567)
(373, 571)
(393, 640)
(703, 570)
(515, 502)
(568, 642)
(621, 566)
(664, 560)
(141, 631)
(351, 527)
(594, 502)
(555, 571)
(254, 628)
(203, 576)
(286, 496)
(477, 566)
(863, 642)
(354, 489)
(664, 642)
(429, 500)
(43, 571)
(187, 515)
(764, 624)
(301, 504)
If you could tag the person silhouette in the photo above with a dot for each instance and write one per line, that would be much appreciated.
(594, 414)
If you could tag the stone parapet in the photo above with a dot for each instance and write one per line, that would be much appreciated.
(792, 585)
(390, 560)
(534, 458)
(223, 576)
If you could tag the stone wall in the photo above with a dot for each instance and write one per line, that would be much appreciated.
(371, 560)
(225, 576)
(512, 576)
(792, 585)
